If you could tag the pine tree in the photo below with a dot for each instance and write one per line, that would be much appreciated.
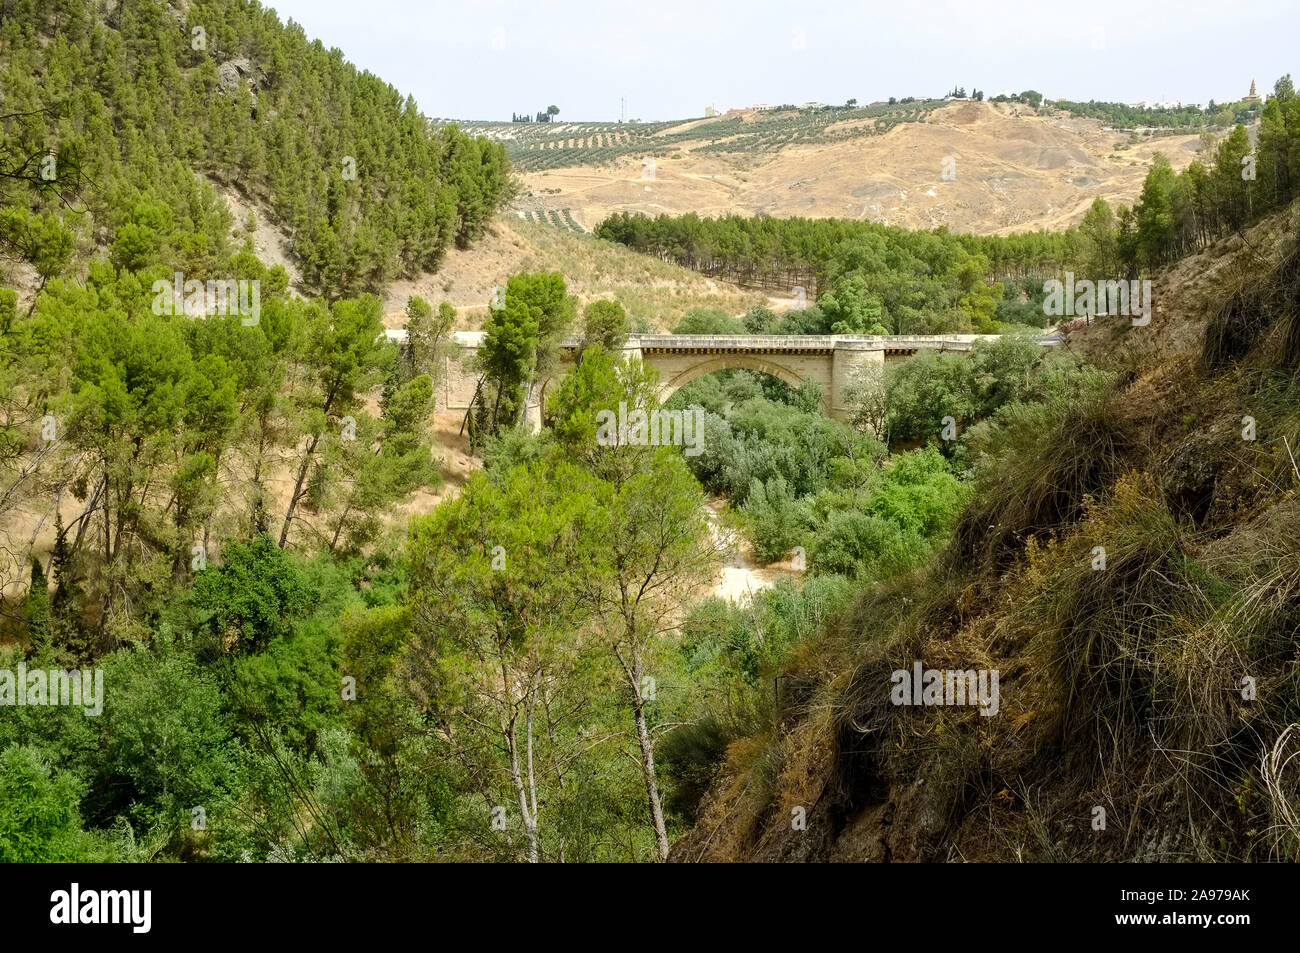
(38, 609)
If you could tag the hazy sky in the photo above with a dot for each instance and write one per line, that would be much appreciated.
(483, 59)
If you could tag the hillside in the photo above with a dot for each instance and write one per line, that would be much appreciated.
(654, 292)
(1015, 169)
(1147, 702)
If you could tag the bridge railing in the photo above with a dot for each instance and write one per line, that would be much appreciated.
(783, 342)
(810, 342)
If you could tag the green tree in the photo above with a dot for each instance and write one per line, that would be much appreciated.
(255, 595)
(38, 607)
(1154, 214)
(428, 334)
(344, 353)
(388, 459)
(604, 323)
(587, 397)
(496, 634)
(166, 744)
(1098, 229)
(1233, 190)
(129, 385)
(708, 321)
(506, 359)
(650, 551)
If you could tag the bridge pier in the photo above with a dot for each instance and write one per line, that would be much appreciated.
(850, 361)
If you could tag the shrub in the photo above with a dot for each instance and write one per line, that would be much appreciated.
(920, 494)
(778, 521)
(253, 596)
(708, 321)
(933, 385)
(866, 546)
(39, 821)
(166, 744)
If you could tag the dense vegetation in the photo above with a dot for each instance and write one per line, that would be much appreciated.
(138, 101)
(865, 277)
(832, 490)
(330, 697)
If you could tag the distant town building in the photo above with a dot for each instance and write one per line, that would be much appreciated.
(813, 105)
(1253, 97)
(710, 112)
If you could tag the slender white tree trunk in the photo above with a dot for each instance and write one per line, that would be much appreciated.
(647, 756)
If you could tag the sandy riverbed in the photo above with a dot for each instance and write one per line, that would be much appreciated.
(740, 577)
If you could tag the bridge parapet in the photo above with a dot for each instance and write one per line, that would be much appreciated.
(795, 343)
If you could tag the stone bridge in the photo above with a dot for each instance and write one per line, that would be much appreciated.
(832, 360)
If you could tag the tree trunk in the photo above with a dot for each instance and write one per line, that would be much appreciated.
(647, 758)
(530, 821)
(297, 490)
(523, 411)
(496, 408)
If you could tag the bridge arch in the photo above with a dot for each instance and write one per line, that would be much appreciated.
(727, 362)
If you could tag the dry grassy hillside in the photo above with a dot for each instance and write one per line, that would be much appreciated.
(1015, 170)
(652, 291)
